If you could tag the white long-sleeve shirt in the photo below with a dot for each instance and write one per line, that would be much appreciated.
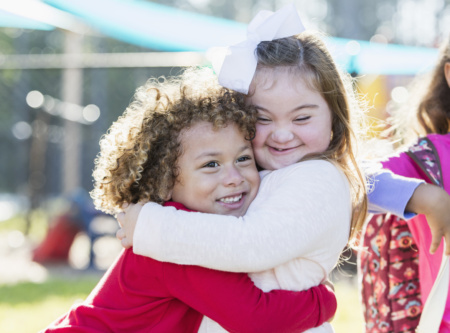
(290, 238)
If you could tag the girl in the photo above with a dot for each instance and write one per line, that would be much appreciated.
(305, 212)
(431, 120)
(187, 140)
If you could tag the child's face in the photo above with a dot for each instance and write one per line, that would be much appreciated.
(293, 121)
(217, 170)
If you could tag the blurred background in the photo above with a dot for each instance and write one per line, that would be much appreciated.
(68, 69)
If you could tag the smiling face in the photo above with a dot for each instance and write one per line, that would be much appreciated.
(293, 120)
(217, 170)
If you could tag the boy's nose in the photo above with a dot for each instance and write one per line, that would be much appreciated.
(233, 176)
(282, 135)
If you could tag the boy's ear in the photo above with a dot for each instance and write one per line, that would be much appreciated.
(168, 196)
(447, 72)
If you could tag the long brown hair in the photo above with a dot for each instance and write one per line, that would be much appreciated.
(427, 109)
(434, 110)
(306, 55)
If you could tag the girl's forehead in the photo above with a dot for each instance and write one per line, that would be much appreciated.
(267, 78)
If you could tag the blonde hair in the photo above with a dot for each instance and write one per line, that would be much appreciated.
(306, 55)
(139, 153)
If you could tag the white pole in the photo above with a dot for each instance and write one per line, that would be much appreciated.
(72, 92)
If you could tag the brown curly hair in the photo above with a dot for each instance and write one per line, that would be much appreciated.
(138, 155)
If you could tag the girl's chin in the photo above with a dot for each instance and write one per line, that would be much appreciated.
(268, 161)
(281, 163)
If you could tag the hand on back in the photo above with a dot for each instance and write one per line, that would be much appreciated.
(127, 221)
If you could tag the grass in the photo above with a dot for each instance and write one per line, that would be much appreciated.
(29, 307)
(38, 226)
(349, 317)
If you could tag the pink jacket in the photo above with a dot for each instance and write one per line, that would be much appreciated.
(428, 264)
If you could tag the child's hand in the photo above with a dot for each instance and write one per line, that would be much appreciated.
(127, 220)
(434, 202)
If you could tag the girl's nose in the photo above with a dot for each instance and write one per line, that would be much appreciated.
(282, 135)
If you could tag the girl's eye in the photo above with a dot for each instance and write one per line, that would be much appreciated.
(211, 165)
(303, 118)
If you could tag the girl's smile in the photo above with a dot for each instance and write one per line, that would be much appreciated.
(293, 120)
(282, 150)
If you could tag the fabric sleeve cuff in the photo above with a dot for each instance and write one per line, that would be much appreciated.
(391, 193)
(147, 234)
(405, 195)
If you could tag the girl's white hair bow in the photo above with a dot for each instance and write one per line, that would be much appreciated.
(239, 63)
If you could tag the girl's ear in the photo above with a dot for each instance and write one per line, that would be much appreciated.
(447, 72)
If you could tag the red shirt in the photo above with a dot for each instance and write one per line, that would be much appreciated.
(139, 294)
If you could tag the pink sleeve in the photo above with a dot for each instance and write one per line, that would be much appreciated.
(232, 300)
(403, 165)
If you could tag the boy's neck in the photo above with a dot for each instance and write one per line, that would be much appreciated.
(177, 205)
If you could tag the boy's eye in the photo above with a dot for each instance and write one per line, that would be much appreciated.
(211, 164)
(244, 158)
(263, 119)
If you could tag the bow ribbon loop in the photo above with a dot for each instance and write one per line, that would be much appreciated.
(239, 63)
(253, 38)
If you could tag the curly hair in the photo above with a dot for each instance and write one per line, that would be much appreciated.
(138, 155)
(306, 55)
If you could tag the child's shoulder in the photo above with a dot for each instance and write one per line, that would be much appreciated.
(441, 143)
(313, 165)
(439, 137)
(321, 177)
(312, 168)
